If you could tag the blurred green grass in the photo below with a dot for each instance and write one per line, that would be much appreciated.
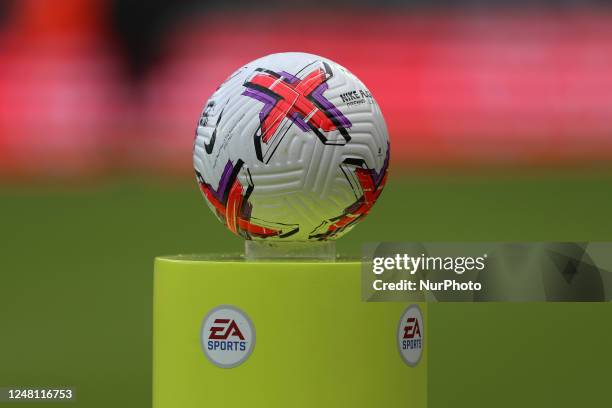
(76, 275)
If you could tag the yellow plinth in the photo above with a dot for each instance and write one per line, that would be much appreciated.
(317, 344)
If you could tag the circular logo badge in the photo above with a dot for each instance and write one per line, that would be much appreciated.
(227, 336)
(411, 335)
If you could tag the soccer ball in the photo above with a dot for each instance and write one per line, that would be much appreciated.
(292, 147)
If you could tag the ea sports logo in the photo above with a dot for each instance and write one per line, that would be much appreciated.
(227, 336)
(226, 328)
(410, 335)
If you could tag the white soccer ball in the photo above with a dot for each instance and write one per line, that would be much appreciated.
(293, 147)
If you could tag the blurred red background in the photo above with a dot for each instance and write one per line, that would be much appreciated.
(483, 86)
